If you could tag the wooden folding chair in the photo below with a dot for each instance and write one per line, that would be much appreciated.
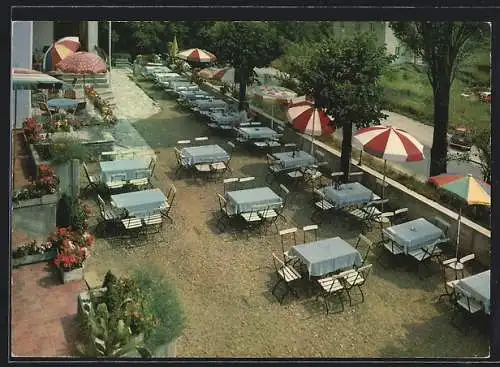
(287, 275)
(228, 181)
(355, 278)
(287, 257)
(331, 286)
(165, 212)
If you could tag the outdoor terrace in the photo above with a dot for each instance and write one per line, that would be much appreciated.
(225, 282)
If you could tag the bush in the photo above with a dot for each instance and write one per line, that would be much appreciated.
(162, 303)
(66, 149)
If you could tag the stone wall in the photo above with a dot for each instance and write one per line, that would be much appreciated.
(35, 217)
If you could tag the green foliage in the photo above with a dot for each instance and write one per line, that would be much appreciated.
(162, 303)
(65, 149)
(342, 75)
(236, 43)
(481, 140)
(64, 211)
(443, 46)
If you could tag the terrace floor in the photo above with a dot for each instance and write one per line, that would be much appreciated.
(224, 282)
(43, 312)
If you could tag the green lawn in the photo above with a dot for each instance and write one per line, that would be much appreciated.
(408, 91)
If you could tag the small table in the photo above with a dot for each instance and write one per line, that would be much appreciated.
(414, 234)
(258, 133)
(128, 169)
(352, 193)
(294, 159)
(327, 256)
(478, 285)
(203, 154)
(139, 203)
(62, 103)
(260, 198)
(224, 119)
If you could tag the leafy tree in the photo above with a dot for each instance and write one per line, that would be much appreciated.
(244, 45)
(481, 140)
(442, 46)
(342, 76)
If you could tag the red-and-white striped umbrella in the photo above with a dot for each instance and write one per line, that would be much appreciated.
(389, 143)
(309, 120)
(196, 55)
(217, 73)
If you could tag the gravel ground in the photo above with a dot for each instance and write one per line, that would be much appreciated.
(225, 283)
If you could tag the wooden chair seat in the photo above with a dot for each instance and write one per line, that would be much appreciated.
(260, 144)
(323, 205)
(153, 219)
(251, 217)
(270, 213)
(353, 278)
(115, 184)
(295, 174)
(219, 166)
(202, 167)
(131, 223)
(288, 274)
(330, 284)
(139, 181)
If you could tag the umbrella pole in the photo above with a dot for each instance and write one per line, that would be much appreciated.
(458, 231)
(383, 183)
(312, 135)
(14, 137)
(272, 114)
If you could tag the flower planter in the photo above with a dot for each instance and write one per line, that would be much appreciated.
(72, 275)
(32, 259)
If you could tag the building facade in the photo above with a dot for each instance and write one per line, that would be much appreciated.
(29, 40)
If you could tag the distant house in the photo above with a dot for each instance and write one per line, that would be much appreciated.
(383, 34)
(28, 43)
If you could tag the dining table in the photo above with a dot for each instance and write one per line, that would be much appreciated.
(478, 285)
(127, 169)
(327, 256)
(251, 200)
(62, 103)
(414, 234)
(140, 203)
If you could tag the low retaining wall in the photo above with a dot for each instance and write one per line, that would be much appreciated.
(36, 217)
(473, 237)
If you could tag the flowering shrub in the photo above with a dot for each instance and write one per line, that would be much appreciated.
(72, 247)
(33, 130)
(99, 103)
(46, 184)
(79, 216)
(31, 248)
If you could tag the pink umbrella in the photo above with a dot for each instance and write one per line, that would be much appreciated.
(389, 143)
(308, 119)
(82, 63)
(196, 55)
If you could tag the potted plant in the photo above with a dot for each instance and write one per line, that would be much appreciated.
(33, 253)
(72, 251)
(33, 130)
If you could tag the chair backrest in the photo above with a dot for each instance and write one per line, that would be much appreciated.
(222, 202)
(352, 174)
(43, 106)
(308, 229)
(171, 194)
(380, 201)
(100, 200)
(201, 138)
(227, 181)
(441, 223)
(284, 189)
(319, 154)
(69, 93)
(466, 258)
(278, 264)
(285, 232)
(290, 145)
(246, 179)
(400, 211)
(183, 142)
(364, 271)
(231, 144)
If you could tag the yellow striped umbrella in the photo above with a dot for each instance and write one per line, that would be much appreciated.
(470, 189)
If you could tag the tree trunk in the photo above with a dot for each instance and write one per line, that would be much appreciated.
(345, 158)
(243, 89)
(439, 150)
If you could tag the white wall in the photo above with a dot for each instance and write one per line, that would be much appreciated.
(43, 34)
(21, 57)
(92, 32)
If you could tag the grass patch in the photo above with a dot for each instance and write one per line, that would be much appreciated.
(408, 91)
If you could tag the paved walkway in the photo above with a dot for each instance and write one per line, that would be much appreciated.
(43, 312)
(132, 103)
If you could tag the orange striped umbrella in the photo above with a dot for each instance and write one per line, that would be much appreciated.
(61, 49)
